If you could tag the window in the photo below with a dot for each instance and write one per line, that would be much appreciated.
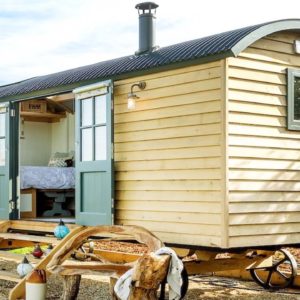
(293, 99)
(93, 128)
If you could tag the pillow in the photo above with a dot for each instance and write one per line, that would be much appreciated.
(57, 162)
(60, 159)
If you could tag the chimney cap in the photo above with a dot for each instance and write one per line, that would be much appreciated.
(146, 6)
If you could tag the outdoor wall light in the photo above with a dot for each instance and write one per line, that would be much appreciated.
(297, 46)
(132, 97)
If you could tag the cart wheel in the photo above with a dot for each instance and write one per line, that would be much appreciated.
(284, 267)
(184, 287)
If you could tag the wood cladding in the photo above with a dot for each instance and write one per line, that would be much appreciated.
(206, 158)
(264, 157)
(168, 155)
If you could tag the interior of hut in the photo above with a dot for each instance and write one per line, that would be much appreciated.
(46, 158)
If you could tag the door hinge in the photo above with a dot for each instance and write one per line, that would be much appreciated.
(112, 105)
(112, 219)
(112, 151)
(12, 112)
(112, 211)
(12, 205)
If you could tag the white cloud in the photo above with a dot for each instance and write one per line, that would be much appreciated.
(41, 37)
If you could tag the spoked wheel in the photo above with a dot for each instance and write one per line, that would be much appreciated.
(184, 287)
(278, 276)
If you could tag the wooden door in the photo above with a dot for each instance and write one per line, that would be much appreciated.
(4, 161)
(94, 154)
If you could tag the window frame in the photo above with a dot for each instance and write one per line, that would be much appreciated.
(94, 125)
(292, 124)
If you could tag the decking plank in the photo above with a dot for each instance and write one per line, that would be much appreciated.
(9, 276)
(17, 258)
(28, 237)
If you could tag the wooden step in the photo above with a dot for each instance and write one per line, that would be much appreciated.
(37, 226)
(28, 237)
(9, 276)
(17, 258)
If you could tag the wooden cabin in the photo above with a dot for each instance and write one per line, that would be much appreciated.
(209, 157)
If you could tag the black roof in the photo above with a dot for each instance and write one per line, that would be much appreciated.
(225, 44)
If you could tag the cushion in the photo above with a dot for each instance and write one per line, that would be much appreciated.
(60, 159)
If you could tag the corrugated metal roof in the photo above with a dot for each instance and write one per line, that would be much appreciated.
(210, 46)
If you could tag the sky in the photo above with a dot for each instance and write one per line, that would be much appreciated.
(39, 37)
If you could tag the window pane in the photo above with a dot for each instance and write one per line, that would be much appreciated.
(2, 152)
(87, 112)
(100, 109)
(2, 124)
(297, 98)
(87, 144)
(100, 140)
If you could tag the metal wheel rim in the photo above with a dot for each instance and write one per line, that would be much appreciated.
(288, 257)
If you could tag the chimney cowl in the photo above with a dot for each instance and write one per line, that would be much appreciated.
(147, 19)
(146, 6)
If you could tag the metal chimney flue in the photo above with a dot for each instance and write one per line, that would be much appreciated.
(147, 11)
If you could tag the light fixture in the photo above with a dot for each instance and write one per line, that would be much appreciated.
(132, 97)
(297, 46)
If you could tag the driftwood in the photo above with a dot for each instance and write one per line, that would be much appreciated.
(112, 283)
(138, 233)
(149, 271)
(148, 274)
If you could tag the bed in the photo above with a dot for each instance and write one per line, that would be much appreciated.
(55, 182)
(47, 178)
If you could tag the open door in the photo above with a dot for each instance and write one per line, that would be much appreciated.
(9, 128)
(94, 154)
(4, 161)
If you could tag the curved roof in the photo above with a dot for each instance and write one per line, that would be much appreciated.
(210, 48)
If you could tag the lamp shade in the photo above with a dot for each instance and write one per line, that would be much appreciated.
(297, 46)
(131, 103)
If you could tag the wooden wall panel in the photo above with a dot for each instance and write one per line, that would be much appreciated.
(264, 157)
(168, 155)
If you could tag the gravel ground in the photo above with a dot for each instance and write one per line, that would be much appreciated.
(201, 287)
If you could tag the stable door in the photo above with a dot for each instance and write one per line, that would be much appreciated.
(94, 154)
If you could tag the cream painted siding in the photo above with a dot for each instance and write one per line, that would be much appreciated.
(168, 155)
(264, 157)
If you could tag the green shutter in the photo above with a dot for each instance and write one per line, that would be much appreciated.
(4, 161)
(94, 159)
